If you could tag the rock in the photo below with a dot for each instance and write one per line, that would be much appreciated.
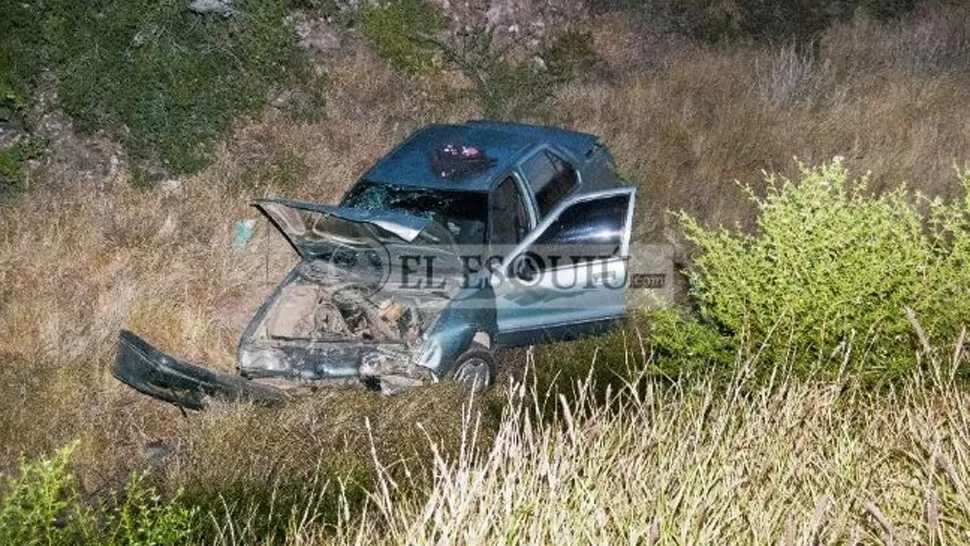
(10, 133)
(521, 25)
(222, 7)
(71, 157)
(170, 186)
(156, 451)
(287, 98)
(283, 99)
(314, 33)
(75, 156)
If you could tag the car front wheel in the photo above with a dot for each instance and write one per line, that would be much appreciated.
(475, 368)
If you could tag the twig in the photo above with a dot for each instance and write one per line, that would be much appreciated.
(924, 341)
(877, 514)
(932, 515)
(820, 509)
(653, 536)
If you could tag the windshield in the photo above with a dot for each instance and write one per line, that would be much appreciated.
(462, 213)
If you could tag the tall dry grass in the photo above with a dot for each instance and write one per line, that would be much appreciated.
(687, 121)
(797, 464)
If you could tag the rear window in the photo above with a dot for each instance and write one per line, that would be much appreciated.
(551, 179)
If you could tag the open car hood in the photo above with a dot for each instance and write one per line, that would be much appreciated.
(313, 228)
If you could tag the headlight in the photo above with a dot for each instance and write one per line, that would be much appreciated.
(262, 360)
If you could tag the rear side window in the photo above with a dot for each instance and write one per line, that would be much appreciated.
(551, 179)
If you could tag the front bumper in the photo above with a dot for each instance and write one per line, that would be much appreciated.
(153, 372)
(159, 375)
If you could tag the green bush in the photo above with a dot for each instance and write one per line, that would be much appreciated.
(831, 269)
(12, 159)
(515, 90)
(20, 42)
(683, 344)
(396, 31)
(35, 503)
(406, 34)
(163, 80)
(41, 505)
(569, 55)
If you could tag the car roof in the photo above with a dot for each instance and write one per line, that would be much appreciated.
(410, 165)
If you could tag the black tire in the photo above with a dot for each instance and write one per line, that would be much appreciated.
(475, 368)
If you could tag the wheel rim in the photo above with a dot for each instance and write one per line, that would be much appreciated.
(474, 373)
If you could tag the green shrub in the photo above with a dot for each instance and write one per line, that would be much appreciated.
(513, 90)
(165, 81)
(35, 503)
(832, 267)
(12, 159)
(406, 34)
(683, 344)
(41, 505)
(569, 55)
(141, 517)
(20, 43)
(395, 31)
(509, 89)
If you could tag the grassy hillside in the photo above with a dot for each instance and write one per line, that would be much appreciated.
(661, 461)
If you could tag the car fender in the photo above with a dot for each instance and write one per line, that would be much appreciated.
(470, 314)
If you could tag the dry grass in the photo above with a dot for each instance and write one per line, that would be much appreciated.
(800, 464)
(695, 119)
(78, 263)
(695, 466)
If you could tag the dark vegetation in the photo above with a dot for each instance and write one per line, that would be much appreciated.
(802, 21)
(166, 82)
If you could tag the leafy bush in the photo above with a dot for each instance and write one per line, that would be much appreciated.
(569, 54)
(20, 42)
(41, 505)
(406, 34)
(165, 81)
(683, 344)
(830, 271)
(510, 89)
(12, 178)
(395, 31)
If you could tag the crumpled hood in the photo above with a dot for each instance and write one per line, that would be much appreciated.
(314, 228)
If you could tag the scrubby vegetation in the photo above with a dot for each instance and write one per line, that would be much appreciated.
(41, 505)
(790, 398)
(828, 276)
(407, 34)
(166, 82)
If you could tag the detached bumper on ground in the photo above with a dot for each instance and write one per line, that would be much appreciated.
(159, 375)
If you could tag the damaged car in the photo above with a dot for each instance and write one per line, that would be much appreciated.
(463, 239)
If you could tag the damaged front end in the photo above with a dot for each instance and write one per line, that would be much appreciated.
(335, 320)
(320, 329)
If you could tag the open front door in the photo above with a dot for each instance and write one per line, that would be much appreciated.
(569, 277)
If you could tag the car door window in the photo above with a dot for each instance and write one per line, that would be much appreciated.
(586, 231)
(551, 179)
(508, 220)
